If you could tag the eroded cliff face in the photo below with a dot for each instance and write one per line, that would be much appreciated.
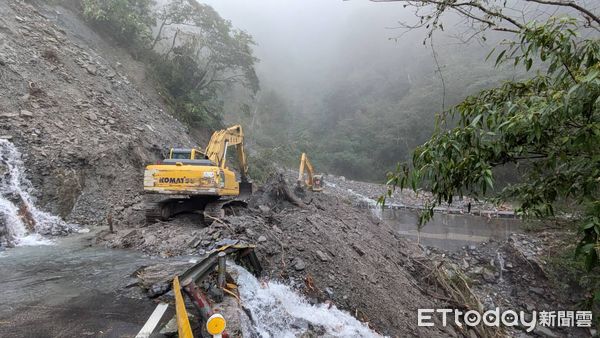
(77, 109)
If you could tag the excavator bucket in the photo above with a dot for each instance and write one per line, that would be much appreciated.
(245, 188)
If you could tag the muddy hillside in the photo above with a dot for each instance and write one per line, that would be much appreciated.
(70, 103)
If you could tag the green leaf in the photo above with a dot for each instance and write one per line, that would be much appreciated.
(587, 226)
(476, 120)
(490, 54)
(591, 260)
(499, 58)
(592, 75)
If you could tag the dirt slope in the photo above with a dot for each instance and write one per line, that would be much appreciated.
(84, 126)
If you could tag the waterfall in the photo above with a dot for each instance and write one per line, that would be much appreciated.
(20, 219)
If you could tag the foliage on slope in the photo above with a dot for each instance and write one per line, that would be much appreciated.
(550, 123)
(195, 55)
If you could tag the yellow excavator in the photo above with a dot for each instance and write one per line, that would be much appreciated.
(197, 180)
(313, 182)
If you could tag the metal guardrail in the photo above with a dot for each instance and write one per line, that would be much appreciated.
(441, 210)
(183, 322)
(215, 323)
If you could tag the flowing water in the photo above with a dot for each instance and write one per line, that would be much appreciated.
(23, 221)
(278, 311)
(72, 289)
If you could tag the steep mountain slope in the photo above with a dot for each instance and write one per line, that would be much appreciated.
(85, 128)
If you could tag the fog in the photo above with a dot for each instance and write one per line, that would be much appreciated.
(342, 81)
(305, 45)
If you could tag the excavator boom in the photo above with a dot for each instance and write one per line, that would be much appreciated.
(313, 182)
(216, 150)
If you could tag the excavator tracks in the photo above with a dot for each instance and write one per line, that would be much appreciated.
(216, 210)
(158, 211)
(212, 209)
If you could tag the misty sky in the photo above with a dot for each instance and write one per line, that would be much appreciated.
(302, 43)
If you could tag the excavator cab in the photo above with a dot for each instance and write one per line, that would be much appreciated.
(317, 183)
(185, 154)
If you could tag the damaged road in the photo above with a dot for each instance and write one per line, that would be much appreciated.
(71, 289)
(332, 252)
(319, 244)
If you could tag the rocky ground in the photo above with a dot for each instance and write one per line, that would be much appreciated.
(84, 126)
(366, 193)
(319, 243)
(334, 252)
(520, 273)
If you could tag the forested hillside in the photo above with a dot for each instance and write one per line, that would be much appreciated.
(367, 107)
(193, 56)
(374, 103)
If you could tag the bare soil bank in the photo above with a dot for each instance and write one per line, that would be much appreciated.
(85, 128)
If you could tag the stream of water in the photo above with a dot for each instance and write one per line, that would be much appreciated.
(24, 223)
(72, 289)
(279, 312)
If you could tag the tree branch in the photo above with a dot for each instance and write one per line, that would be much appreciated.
(492, 16)
(157, 38)
(172, 44)
(454, 5)
(572, 5)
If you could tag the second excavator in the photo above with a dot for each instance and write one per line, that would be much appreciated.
(196, 180)
(314, 182)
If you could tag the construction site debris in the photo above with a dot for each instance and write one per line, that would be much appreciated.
(360, 258)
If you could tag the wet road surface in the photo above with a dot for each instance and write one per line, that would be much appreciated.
(71, 289)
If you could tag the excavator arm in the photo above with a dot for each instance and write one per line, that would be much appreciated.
(305, 163)
(216, 150)
(313, 182)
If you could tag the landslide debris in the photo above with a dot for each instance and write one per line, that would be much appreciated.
(318, 243)
(365, 194)
(519, 274)
(85, 127)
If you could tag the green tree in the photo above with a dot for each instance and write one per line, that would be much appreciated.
(550, 123)
(129, 21)
(195, 56)
(204, 55)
